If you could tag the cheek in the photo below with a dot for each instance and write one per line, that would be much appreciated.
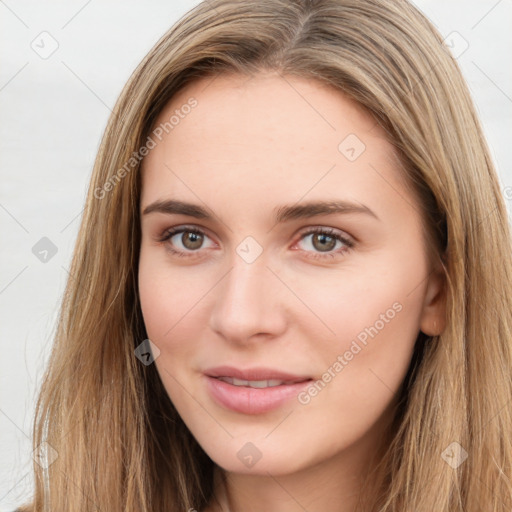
(156, 303)
(169, 296)
(375, 316)
(170, 305)
(377, 299)
(368, 315)
(362, 368)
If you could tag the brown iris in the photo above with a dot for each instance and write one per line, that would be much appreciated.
(191, 240)
(322, 238)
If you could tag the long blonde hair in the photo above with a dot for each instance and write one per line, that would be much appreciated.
(112, 438)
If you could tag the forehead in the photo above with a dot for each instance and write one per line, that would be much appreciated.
(258, 138)
(269, 104)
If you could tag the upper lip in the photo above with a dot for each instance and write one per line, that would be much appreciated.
(256, 373)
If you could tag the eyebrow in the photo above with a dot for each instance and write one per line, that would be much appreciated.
(281, 214)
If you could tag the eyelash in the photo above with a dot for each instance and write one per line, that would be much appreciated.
(169, 233)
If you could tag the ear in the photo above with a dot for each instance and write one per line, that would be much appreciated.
(433, 316)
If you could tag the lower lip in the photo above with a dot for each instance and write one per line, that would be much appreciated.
(252, 400)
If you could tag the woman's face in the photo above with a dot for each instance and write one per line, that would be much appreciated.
(298, 263)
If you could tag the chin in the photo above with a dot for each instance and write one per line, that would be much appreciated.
(258, 456)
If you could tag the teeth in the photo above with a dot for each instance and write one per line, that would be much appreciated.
(253, 383)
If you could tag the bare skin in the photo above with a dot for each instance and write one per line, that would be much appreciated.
(249, 146)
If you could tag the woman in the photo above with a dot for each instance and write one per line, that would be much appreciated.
(332, 332)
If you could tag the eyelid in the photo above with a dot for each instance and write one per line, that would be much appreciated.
(335, 232)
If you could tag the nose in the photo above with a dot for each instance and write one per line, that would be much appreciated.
(249, 303)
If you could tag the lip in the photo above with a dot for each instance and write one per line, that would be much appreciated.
(256, 373)
(247, 400)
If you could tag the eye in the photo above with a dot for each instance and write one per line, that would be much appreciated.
(324, 240)
(190, 241)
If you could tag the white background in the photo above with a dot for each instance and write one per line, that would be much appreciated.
(53, 113)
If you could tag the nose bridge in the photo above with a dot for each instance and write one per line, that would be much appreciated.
(246, 300)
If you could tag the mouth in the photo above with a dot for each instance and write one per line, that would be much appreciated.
(253, 391)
